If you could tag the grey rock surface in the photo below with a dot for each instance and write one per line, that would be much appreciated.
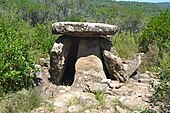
(88, 69)
(74, 108)
(40, 110)
(41, 80)
(88, 101)
(134, 64)
(58, 56)
(129, 97)
(115, 84)
(114, 66)
(121, 110)
(62, 59)
(106, 81)
(106, 44)
(95, 87)
(134, 103)
(88, 46)
(83, 29)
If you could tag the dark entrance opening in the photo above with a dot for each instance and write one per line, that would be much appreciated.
(69, 72)
(104, 66)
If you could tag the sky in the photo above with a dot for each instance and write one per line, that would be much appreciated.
(154, 1)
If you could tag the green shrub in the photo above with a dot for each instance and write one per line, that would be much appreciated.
(155, 41)
(162, 91)
(126, 43)
(16, 64)
(21, 47)
(165, 65)
(161, 96)
(157, 32)
(151, 61)
(117, 102)
(41, 41)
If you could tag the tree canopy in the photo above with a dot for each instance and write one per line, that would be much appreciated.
(157, 32)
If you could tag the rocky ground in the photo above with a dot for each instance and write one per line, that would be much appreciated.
(108, 96)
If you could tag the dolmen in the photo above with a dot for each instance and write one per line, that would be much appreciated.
(84, 53)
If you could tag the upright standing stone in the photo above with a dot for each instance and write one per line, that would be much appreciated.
(63, 57)
(58, 58)
(89, 46)
(89, 67)
(115, 66)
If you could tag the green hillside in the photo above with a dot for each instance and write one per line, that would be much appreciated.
(131, 16)
(164, 4)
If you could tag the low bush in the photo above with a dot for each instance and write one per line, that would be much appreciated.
(21, 102)
(21, 47)
(16, 63)
(126, 43)
(162, 91)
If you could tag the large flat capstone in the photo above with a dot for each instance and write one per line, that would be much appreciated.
(83, 29)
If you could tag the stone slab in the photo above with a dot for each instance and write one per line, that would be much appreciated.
(83, 29)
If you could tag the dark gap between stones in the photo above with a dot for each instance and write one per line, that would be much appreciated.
(104, 66)
(69, 72)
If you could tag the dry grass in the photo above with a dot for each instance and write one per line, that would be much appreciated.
(21, 102)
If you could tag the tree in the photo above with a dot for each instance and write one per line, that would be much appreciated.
(157, 32)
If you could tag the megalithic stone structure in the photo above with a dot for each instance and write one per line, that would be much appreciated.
(84, 53)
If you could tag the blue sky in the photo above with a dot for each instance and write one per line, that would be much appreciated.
(154, 1)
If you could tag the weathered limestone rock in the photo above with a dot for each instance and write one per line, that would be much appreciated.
(74, 109)
(62, 59)
(59, 55)
(41, 80)
(106, 81)
(116, 85)
(119, 68)
(89, 66)
(120, 109)
(96, 86)
(88, 69)
(133, 102)
(115, 66)
(83, 29)
(40, 110)
(88, 100)
(78, 52)
(131, 97)
(134, 64)
(89, 46)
